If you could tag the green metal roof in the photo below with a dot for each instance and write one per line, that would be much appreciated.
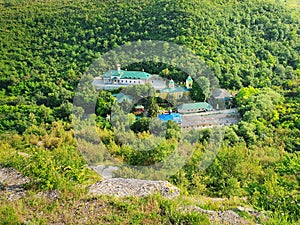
(138, 75)
(121, 97)
(173, 90)
(189, 78)
(195, 106)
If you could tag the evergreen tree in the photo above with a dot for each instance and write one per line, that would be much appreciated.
(197, 93)
(152, 107)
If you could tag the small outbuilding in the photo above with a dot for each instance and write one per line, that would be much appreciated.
(220, 98)
(221, 94)
(121, 97)
(139, 109)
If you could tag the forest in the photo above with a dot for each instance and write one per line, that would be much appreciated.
(252, 47)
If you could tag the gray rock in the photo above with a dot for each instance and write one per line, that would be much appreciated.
(228, 217)
(12, 183)
(53, 194)
(121, 187)
(105, 171)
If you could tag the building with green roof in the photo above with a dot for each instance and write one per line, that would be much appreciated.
(124, 77)
(124, 74)
(176, 92)
(194, 107)
(114, 79)
(121, 97)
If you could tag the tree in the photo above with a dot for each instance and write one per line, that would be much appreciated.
(152, 107)
(139, 91)
(140, 125)
(165, 73)
(245, 93)
(126, 105)
(197, 93)
(104, 103)
(63, 111)
(171, 100)
(173, 130)
(204, 85)
(246, 130)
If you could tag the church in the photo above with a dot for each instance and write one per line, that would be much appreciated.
(176, 91)
(114, 79)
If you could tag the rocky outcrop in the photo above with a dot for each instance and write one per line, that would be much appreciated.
(12, 183)
(12, 186)
(121, 187)
(227, 217)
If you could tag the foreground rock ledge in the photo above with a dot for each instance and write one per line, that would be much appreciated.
(227, 217)
(121, 187)
(12, 183)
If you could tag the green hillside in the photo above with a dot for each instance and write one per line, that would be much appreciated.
(246, 43)
(253, 48)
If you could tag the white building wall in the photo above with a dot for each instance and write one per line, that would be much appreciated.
(124, 81)
(132, 81)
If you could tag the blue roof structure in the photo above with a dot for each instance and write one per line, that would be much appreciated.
(176, 117)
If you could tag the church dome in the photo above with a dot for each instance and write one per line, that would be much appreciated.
(171, 84)
(189, 78)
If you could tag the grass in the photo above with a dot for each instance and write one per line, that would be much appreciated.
(8, 215)
(96, 210)
(76, 207)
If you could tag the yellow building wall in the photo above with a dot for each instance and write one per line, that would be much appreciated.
(163, 95)
(189, 84)
(177, 95)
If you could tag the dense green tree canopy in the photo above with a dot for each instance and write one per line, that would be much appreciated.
(252, 47)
